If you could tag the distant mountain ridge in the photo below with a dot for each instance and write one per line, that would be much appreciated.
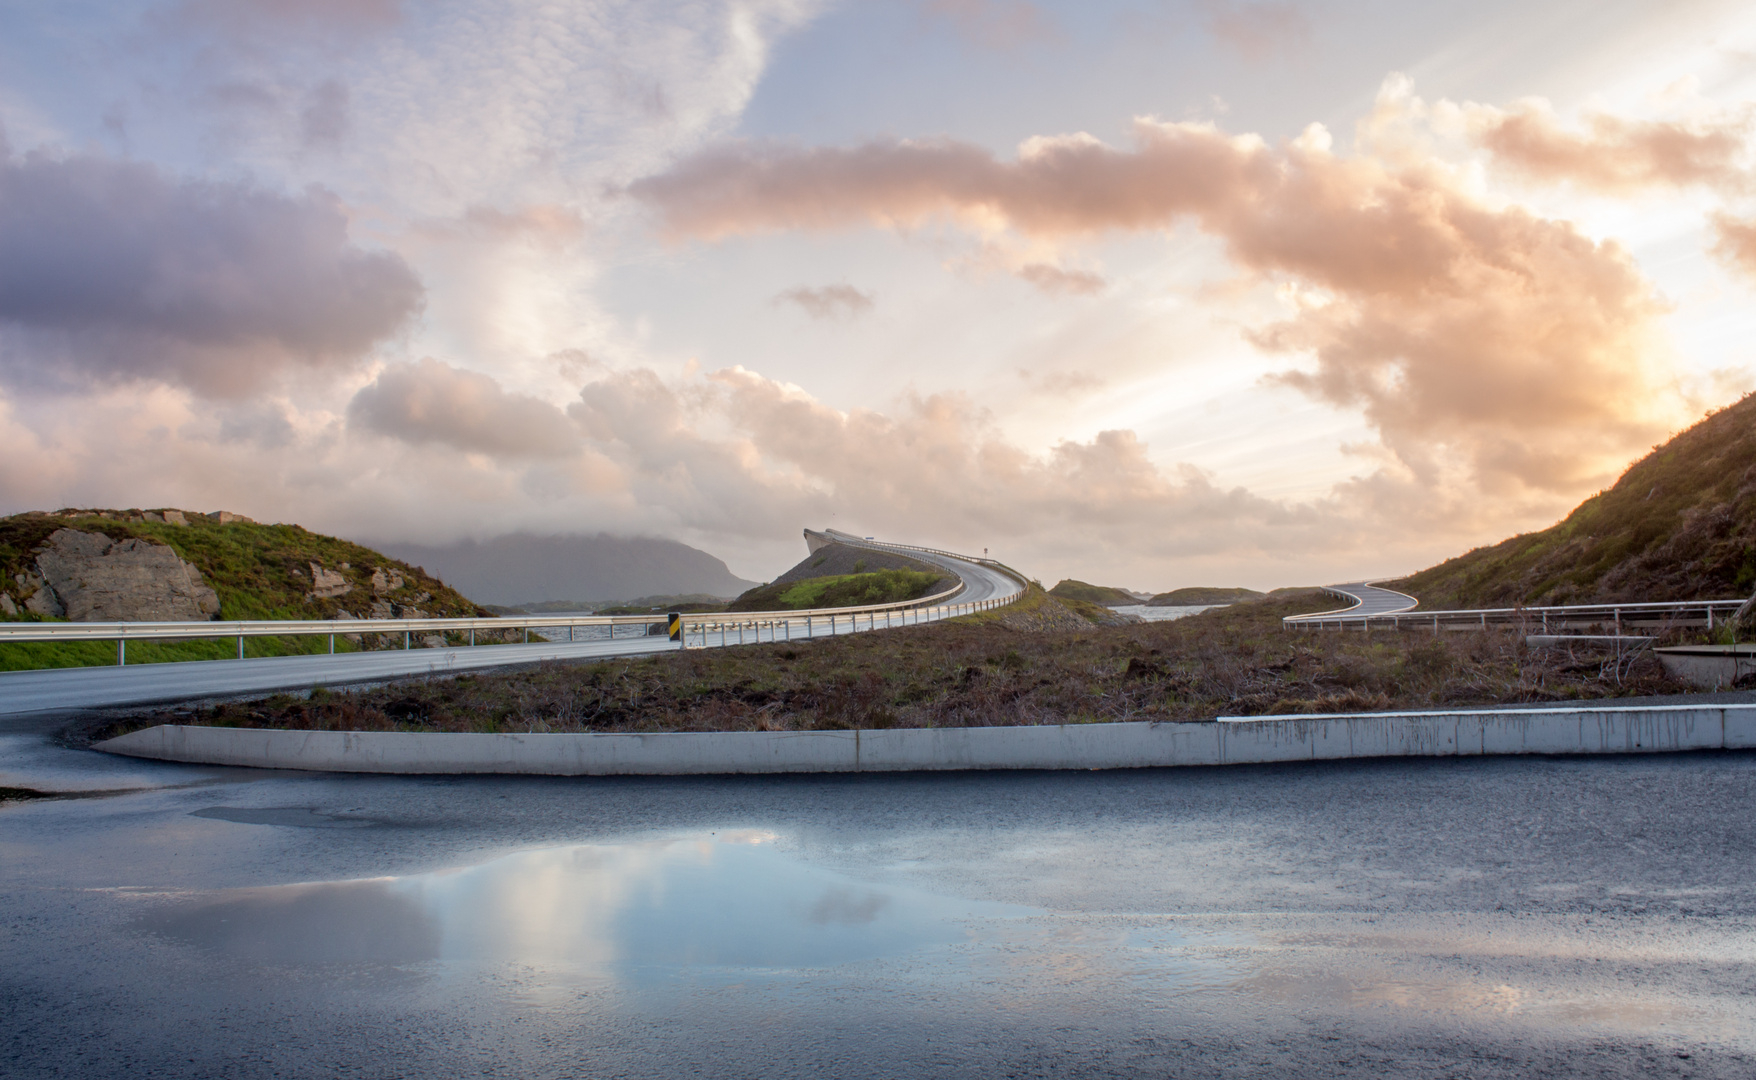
(1679, 525)
(525, 568)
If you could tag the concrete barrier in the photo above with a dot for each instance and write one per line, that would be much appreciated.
(1711, 667)
(1069, 746)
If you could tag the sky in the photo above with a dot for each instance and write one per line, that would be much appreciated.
(1150, 294)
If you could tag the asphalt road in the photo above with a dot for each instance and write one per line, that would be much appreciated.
(1510, 917)
(65, 689)
(1371, 601)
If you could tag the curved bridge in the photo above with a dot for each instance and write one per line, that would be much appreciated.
(1365, 601)
(982, 584)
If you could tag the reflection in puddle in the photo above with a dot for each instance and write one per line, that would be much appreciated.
(672, 916)
(729, 901)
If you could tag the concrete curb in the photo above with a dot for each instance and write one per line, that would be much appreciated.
(1654, 729)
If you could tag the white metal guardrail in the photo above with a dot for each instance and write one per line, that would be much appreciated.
(1560, 618)
(699, 629)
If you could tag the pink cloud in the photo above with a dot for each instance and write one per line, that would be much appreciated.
(1509, 342)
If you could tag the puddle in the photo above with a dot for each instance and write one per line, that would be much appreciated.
(638, 910)
(32, 762)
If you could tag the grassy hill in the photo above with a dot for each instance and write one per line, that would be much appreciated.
(1071, 589)
(1198, 595)
(259, 572)
(1679, 525)
(843, 590)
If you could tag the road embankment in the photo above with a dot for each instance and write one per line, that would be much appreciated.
(1070, 746)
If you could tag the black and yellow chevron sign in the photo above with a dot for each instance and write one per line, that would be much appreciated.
(676, 625)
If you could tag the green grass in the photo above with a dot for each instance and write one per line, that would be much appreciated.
(844, 590)
(35, 655)
(259, 571)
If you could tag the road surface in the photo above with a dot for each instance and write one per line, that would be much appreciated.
(1368, 600)
(1585, 917)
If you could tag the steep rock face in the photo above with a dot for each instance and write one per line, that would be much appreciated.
(87, 577)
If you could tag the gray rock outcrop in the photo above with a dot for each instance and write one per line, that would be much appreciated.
(386, 580)
(328, 583)
(87, 577)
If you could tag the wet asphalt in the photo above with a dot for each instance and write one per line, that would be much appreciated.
(1447, 918)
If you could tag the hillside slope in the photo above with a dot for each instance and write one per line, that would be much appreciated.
(1679, 525)
(256, 571)
(1074, 589)
(1203, 595)
(840, 575)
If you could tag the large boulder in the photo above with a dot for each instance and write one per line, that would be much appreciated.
(87, 577)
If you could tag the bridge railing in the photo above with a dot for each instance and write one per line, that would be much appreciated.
(697, 627)
(1559, 619)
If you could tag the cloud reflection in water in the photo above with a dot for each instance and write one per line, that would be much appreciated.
(612, 910)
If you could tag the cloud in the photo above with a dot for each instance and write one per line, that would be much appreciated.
(431, 402)
(324, 119)
(1737, 242)
(828, 302)
(1053, 279)
(731, 461)
(114, 270)
(993, 24)
(1614, 155)
(242, 16)
(1465, 332)
(781, 455)
(1257, 31)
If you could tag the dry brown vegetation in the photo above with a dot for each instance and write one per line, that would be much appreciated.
(985, 671)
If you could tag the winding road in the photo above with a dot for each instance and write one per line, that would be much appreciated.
(1368, 601)
(68, 689)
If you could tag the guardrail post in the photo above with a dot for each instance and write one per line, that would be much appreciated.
(472, 641)
(240, 646)
(121, 652)
(407, 641)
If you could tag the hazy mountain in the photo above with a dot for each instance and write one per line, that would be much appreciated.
(523, 568)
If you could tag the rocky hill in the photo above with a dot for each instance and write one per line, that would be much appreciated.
(1679, 525)
(1106, 595)
(1198, 595)
(136, 565)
